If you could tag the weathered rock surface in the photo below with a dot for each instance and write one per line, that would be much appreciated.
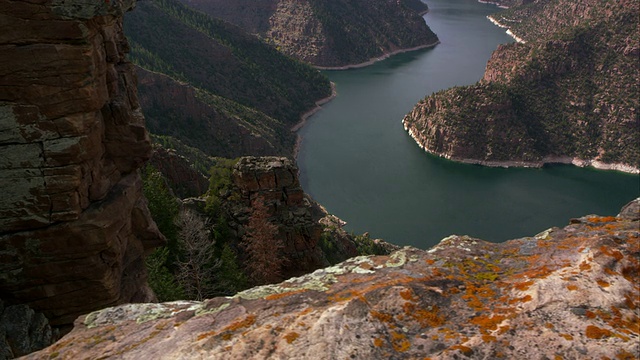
(22, 331)
(73, 223)
(568, 293)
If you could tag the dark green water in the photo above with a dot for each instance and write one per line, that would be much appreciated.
(356, 159)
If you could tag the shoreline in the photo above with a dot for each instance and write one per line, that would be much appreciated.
(509, 32)
(547, 160)
(377, 59)
(308, 114)
(493, 3)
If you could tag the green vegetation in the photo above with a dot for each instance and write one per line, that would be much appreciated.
(241, 85)
(571, 90)
(328, 33)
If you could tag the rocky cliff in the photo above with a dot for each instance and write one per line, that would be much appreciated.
(329, 34)
(568, 92)
(275, 181)
(567, 293)
(73, 223)
(212, 86)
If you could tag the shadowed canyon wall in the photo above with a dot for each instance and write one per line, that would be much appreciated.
(73, 223)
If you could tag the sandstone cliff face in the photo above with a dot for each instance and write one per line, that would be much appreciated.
(566, 293)
(73, 223)
(329, 34)
(569, 94)
(276, 181)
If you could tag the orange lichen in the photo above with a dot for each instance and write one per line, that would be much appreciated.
(489, 338)
(291, 337)
(549, 325)
(487, 323)
(522, 286)
(625, 355)
(584, 266)
(525, 298)
(407, 294)
(206, 335)
(610, 271)
(594, 332)
(572, 287)
(463, 349)
(285, 294)
(430, 261)
(603, 283)
(380, 316)
(590, 314)
(557, 357)
(377, 342)
(567, 337)
(399, 341)
(613, 253)
(428, 317)
(601, 219)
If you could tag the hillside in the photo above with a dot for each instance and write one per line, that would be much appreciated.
(226, 82)
(568, 94)
(329, 33)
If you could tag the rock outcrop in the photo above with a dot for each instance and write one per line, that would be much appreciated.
(73, 223)
(568, 293)
(22, 331)
(275, 181)
(329, 34)
(568, 94)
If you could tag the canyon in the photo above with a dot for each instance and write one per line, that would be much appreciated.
(566, 93)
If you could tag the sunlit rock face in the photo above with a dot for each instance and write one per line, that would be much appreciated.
(73, 222)
(566, 293)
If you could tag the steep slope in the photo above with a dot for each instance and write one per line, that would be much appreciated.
(329, 33)
(566, 293)
(228, 82)
(73, 223)
(569, 94)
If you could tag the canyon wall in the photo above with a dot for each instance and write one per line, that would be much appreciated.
(567, 92)
(73, 223)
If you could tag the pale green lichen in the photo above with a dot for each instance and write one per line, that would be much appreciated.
(545, 235)
(397, 259)
(203, 311)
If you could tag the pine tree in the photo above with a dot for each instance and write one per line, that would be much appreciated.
(262, 246)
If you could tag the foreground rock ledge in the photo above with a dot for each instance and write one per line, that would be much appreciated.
(566, 293)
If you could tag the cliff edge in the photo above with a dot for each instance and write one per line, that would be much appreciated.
(566, 293)
(73, 223)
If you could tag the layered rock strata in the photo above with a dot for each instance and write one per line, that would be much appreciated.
(566, 293)
(567, 93)
(275, 181)
(73, 223)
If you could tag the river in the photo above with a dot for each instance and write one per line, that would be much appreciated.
(356, 159)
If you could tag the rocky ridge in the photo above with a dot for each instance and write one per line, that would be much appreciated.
(73, 223)
(329, 34)
(565, 293)
(297, 217)
(569, 94)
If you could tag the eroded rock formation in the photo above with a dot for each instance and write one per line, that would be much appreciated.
(275, 181)
(73, 223)
(566, 293)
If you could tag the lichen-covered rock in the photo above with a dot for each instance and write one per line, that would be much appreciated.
(73, 223)
(566, 293)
